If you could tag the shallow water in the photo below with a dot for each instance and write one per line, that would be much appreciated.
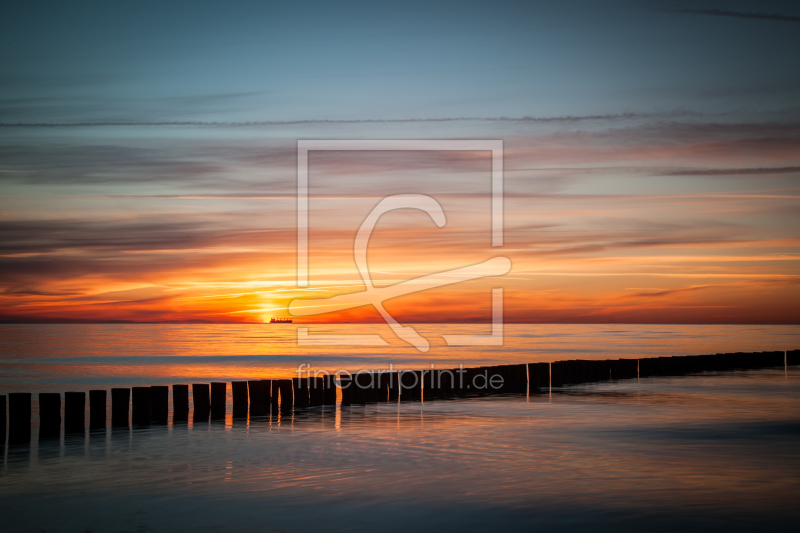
(717, 451)
(709, 451)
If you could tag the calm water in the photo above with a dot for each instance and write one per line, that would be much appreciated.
(79, 357)
(718, 451)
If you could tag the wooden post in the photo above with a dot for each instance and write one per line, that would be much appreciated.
(316, 391)
(330, 390)
(180, 403)
(160, 404)
(19, 417)
(623, 369)
(465, 381)
(499, 384)
(538, 377)
(346, 383)
(557, 373)
(201, 402)
(446, 382)
(274, 396)
(141, 402)
(361, 386)
(219, 398)
(382, 383)
(394, 386)
(97, 409)
(259, 405)
(49, 415)
(287, 397)
(267, 396)
(522, 376)
(120, 407)
(630, 368)
(429, 390)
(647, 368)
(239, 390)
(74, 412)
(773, 359)
(410, 386)
(301, 396)
(480, 381)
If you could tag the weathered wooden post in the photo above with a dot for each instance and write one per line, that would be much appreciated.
(418, 389)
(538, 377)
(507, 373)
(394, 386)
(691, 364)
(239, 393)
(97, 409)
(160, 404)
(557, 373)
(219, 394)
(382, 394)
(359, 386)
(259, 403)
(465, 381)
(429, 385)
(201, 402)
(287, 397)
(74, 412)
(329, 397)
(371, 389)
(647, 368)
(357, 395)
(499, 384)
(630, 368)
(301, 397)
(316, 391)
(409, 383)
(49, 415)
(518, 379)
(447, 381)
(773, 359)
(459, 381)
(120, 407)
(141, 406)
(346, 383)
(19, 417)
(266, 390)
(180, 403)
(678, 365)
(274, 395)
(481, 380)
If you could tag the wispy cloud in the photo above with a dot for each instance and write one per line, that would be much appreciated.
(736, 14)
(565, 118)
(733, 171)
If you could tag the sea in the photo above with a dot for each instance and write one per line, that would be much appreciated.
(717, 451)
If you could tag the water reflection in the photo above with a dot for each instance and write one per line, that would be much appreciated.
(658, 453)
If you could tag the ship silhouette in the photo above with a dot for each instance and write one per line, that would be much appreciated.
(274, 320)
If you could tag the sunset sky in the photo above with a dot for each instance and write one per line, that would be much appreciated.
(148, 158)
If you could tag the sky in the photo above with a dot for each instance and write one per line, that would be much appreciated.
(651, 154)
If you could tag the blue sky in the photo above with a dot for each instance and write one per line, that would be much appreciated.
(243, 61)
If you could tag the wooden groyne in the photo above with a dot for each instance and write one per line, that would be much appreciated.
(145, 406)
